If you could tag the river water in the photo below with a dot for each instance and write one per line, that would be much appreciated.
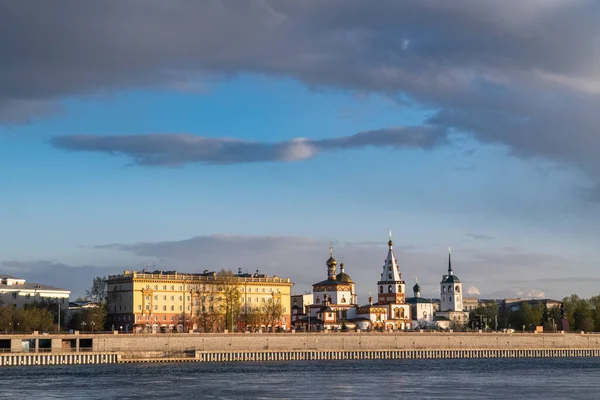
(560, 378)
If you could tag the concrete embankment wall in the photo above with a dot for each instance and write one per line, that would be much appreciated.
(341, 341)
(111, 348)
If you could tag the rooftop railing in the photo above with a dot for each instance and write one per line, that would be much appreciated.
(197, 278)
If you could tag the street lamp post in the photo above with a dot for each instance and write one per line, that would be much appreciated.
(58, 324)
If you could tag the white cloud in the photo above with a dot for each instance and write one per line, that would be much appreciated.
(473, 290)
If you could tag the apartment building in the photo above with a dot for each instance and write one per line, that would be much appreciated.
(168, 301)
(17, 292)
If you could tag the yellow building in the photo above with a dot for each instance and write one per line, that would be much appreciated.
(167, 301)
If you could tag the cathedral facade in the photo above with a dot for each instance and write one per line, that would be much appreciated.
(335, 302)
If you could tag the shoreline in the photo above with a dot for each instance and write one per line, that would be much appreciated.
(113, 348)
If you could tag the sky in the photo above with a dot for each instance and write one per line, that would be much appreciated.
(196, 136)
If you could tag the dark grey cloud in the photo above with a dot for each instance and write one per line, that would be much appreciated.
(77, 279)
(178, 149)
(519, 73)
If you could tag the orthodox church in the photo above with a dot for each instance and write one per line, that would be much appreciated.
(451, 302)
(421, 309)
(335, 300)
(335, 303)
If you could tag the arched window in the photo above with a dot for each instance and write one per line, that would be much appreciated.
(389, 288)
(444, 289)
(399, 288)
(380, 289)
(390, 276)
(457, 289)
(343, 300)
(396, 312)
(318, 300)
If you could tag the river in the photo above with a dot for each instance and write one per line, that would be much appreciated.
(560, 378)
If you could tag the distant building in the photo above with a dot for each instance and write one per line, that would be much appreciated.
(335, 304)
(470, 303)
(451, 307)
(300, 306)
(17, 292)
(166, 301)
(422, 309)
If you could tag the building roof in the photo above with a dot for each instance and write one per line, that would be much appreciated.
(343, 278)
(414, 300)
(450, 279)
(29, 286)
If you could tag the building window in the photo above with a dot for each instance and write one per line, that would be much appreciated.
(172, 308)
(165, 298)
(180, 287)
(457, 289)
(27, 296)
(155, 297)
(180, 308)
(155, 287)
(380, 289)
(389, 288)
(155, 308)
(181, 298)
(172, 287)
(14, 296)
(164, 308)
(139, 308)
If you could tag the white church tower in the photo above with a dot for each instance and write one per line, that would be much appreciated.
(451, 290)
(391, 287)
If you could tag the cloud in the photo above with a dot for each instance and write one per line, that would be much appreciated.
(473, 290)
(179, 149)
(520, 74)
(522, 293)
(77, 279)
(479, 236)
(303, 259)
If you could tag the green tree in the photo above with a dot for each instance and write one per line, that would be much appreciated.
(584, 317)
(98, 291)
(570, 304)
(6, 318)
(531, 316)
(595, 305)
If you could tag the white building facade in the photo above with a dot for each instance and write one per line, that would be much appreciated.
(451, 298)
(17, 292)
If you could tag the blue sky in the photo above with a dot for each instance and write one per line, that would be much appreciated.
(485, 154)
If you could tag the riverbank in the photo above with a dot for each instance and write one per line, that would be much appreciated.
(81, 348)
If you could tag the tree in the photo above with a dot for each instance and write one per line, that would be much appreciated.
(6, 318)
(273, 312)
(98, 291)
(229, 288)
(595, 305)
(256, 317)
(531, 316)
(209, 308)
